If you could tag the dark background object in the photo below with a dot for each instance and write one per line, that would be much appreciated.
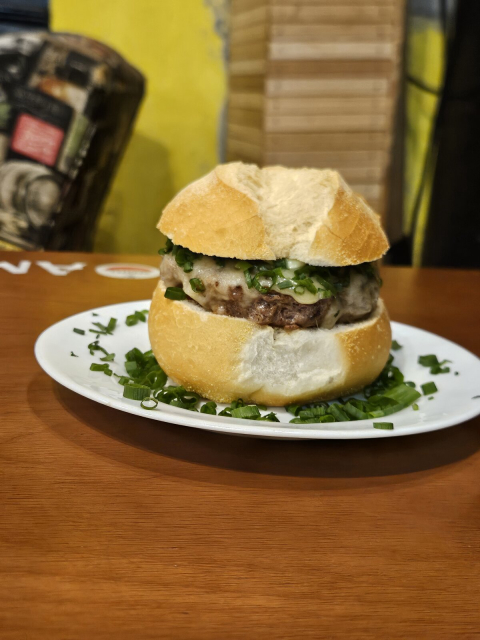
(19, 15)
(453, 229)
(67, 107)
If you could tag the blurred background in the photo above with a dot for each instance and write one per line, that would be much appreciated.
(98, 131)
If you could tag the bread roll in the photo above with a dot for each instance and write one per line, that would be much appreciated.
(241, 211)
(225, 358)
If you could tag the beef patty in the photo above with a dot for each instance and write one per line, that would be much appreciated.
(226, 293)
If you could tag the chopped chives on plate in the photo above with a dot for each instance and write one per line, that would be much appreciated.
(396, 345)
(429, 388)
(388, 426)
(74, 355)
(79, 331)
(415, 406)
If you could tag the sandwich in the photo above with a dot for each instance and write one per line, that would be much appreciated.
(269, 287)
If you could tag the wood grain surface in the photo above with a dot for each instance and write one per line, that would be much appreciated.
(113, 526)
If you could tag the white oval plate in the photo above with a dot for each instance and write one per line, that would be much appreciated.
(453, 403)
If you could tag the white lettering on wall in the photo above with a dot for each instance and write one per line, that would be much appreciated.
(23, 267)
(61, 269)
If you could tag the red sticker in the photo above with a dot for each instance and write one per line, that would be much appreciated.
(37, 139)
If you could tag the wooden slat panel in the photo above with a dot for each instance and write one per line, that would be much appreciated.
(249, 18)
(246, 150)
(363, 14)
(337, 3)
(247, 83)
(252, 135)
(254, 101)
(369, 191)
(327, 87)
(348, 122)
(337, 141)
(331, 51)
(340, 68)
(255, 33)
(248, 118)
(328, 158)
(247, 67)
(241, 6)
(332, 33)
(318, 106)
(250, 51)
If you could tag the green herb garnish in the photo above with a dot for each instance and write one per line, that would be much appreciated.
(209, 407)
(428, 388)
(197, 285)
(435, 365)
(74, 355)
(79, 331)
(383, 425)
(134, 391)
(396, 345)
(167, 248)
(175, 293)
(101, 367)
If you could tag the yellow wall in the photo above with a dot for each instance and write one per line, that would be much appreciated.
(173, 42)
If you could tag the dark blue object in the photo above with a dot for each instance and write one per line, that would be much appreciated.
(22, 15)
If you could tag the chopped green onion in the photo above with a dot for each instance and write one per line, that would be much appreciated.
(286, 284)
(438, 369)
(428, 361)
(249, 277)
(101, 367)
(429, 388)
(247, 412)
(149, 407)
(94, 314)
(314, 420)
(243, 265)
(432, 361)
(73, 354)
(293, 409)
(134, 391)
(80, 331)
(383, 425)
(108, 358)
(167, 248)
(338, 413)
(415, 406)
(266, 274)
(220, 262)
(209, 407)
(105, 329)
(307, 283)
(403, 394)
(396, 345)
(299, 290)
(269, 417)
(175, 293)
(197, 285)
(131, 320)
(354, 412)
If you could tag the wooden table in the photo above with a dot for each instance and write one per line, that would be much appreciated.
(117, 527)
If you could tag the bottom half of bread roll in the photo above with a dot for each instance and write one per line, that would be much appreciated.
(224, 358)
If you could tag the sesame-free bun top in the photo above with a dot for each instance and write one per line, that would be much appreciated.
(241, 211)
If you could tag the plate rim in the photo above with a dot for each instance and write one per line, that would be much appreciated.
(235, 426)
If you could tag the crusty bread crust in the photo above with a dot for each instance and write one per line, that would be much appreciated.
(224, 358)
(241, 211)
